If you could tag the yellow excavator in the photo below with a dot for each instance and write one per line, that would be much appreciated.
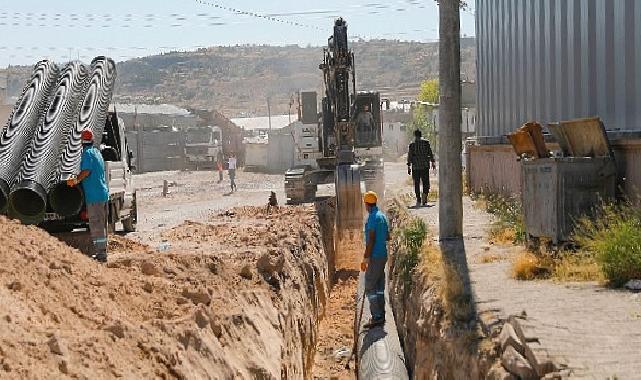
(345, 140)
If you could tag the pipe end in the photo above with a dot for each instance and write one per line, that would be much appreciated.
(4, 196)
(28, 202)
(66, 201)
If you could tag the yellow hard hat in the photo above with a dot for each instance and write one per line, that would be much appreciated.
(370, 197)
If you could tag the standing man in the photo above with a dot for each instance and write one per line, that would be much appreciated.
(419, 157)
(219, 164)
(96, 193)
(232, 171)
(375, 259)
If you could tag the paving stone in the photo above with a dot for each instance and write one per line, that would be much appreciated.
(497, 372)
(517, 365)
(539, 358)
(509, 338)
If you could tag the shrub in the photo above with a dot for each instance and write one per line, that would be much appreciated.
(413, 235)
(613, 239)
(509, 225)
(528, 266)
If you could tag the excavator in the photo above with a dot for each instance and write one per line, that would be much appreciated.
(344, 140)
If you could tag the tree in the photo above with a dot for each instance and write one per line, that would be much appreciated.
(429, 91)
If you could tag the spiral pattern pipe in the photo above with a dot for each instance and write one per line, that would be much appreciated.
(28, 198)
(65, 200)
(16, 136)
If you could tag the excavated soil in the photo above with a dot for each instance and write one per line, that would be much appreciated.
(237, 296)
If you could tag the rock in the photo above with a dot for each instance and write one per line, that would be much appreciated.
(634, 285)
(523, 329)
(517, 365)
(246, 272)
(560, 375)
(270, 262)
(197, 296)
(149, 269)
(497, 372)
(15, 286)
(148, 287)
(202, 320)
(508, 337)
(117, 329)
(56, 346)
(216, 327)
(63, 366)
(539, 358)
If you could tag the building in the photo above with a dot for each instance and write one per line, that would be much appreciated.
(395, 133)
(553, 60)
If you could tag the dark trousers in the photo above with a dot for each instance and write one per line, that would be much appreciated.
(421, 175)
(232, 178)
(375, 287)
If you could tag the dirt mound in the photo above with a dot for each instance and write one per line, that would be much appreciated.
(205, 312)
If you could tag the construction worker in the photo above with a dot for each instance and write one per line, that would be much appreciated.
(96, 193)
(231, 162)
(375, 259)
(219, 165)
(419, 157)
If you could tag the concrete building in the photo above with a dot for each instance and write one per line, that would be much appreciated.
(395, 133)
(553, 60)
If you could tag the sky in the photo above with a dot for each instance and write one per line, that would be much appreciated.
(31, 30)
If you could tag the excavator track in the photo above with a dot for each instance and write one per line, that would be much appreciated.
(349, 217)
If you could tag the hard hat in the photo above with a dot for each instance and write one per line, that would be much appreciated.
(370, 197)
(87, 137)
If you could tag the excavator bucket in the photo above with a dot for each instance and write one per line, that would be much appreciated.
(349, 238)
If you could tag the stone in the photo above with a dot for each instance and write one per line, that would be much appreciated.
(15, 286)
(497, 372)
(523, 329)
(117, 329)
(202, 320)
(246, 272)
(539, 358)
(148, 287)
(63, 367)
(508, 338)
(197, 296)
(56, 346)
(149, 269)
(517, 365)
(634, 285)
(270, 262)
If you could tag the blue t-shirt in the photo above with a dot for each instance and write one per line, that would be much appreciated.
(94, 185)
(377, 221)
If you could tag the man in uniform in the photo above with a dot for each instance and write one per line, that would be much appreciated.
(419, 157)
(375, 259)
(96, 193)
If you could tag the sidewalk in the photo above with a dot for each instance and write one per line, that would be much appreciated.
(594, 330)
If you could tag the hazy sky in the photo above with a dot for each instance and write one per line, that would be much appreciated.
(34, 29)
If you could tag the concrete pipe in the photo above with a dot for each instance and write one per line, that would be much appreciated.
(65, 200)
(17, 135)
(379, 354)
(28, 198)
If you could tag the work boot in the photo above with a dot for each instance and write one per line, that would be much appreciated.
(425, 195)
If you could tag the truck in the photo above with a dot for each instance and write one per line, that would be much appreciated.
(202, 144)
(118, 173)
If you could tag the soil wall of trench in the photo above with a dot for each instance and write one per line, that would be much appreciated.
(236, 297)
(436, 345)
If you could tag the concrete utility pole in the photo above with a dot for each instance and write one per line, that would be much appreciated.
(450, 166)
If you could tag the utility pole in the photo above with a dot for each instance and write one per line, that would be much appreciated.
(450, 140)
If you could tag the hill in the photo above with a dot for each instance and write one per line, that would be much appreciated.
(237, 80)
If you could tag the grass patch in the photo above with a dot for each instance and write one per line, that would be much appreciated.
(489, 258)
(528, 266)
(612, 240)
(413, 237)
(577, 267)
(509, 225)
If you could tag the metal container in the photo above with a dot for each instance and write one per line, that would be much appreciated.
(558, 191)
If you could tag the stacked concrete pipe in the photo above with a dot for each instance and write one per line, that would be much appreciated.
(65, 200)
(28, 198)
(17, 135)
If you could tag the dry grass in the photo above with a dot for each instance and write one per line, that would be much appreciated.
(527, 266)
(502, 235)
(573, 267)
(489, 258)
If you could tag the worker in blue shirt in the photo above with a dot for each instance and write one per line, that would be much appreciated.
(375, 259)
(96, 193)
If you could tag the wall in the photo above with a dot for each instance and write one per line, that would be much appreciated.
(494, 168)
(161, 150)
(550, 60)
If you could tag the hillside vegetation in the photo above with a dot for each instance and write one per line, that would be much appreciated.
(237, 80)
